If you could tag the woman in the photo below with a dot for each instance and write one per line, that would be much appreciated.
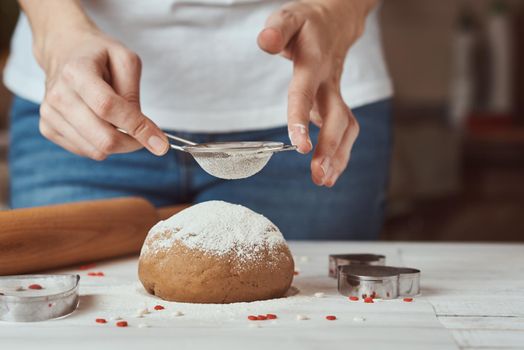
(193, 67)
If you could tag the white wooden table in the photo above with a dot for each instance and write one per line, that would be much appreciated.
(472, 298)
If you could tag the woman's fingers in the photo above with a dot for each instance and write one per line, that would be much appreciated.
(301, 95)
(102, 135)
(306, 32)
(86, 79)
(280, 28)
(343, 154)
(336, 137)
(55, 128)
(126, 67)
(314, 116)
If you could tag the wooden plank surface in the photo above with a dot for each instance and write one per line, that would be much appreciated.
(472, 298)
(477, 291)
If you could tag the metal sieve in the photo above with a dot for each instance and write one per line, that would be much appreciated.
(230, 160)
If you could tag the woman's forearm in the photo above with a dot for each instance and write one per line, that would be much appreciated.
(50, 19)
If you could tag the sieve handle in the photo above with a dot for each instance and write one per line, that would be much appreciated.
(287, 148)
(172, 137)
(179, 139)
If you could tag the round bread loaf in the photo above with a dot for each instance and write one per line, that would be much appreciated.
(216, 252)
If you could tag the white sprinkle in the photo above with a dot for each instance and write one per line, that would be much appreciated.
(302, 317)
(304, 259)
(253, 325)
(141, 312)
(177, 313)
(359, 319)
(115, 318)
(319, 295)
(143, 325)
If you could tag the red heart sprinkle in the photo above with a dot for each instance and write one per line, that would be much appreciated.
(87, 266)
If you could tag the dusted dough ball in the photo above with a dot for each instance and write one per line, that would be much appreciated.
(216, 252)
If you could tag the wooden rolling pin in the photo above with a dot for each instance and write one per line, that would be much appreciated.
(42, 238)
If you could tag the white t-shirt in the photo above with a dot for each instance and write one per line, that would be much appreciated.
(202, 68)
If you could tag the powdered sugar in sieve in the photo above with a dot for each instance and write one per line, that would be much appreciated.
(234, 160)
(232, 166)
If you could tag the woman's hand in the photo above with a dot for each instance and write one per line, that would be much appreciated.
(92, 86)
(316, 35)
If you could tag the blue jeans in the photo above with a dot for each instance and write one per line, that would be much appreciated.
(43, 173)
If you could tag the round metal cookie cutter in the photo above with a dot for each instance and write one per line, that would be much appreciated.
(408, 281)
(336, 260)
(383, 282)
(31, 298)
(368, 281)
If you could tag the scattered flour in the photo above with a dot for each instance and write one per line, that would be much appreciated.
(359, 319)
(217, 228)
(178, 313)
(302, 318)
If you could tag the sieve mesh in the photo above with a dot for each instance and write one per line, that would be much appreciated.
(234, 165)
(233, 160)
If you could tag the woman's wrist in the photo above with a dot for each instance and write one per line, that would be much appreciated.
(346, 13)
(53, 24)
(343, 7)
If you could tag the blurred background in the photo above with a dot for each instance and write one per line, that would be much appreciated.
(458, 164)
